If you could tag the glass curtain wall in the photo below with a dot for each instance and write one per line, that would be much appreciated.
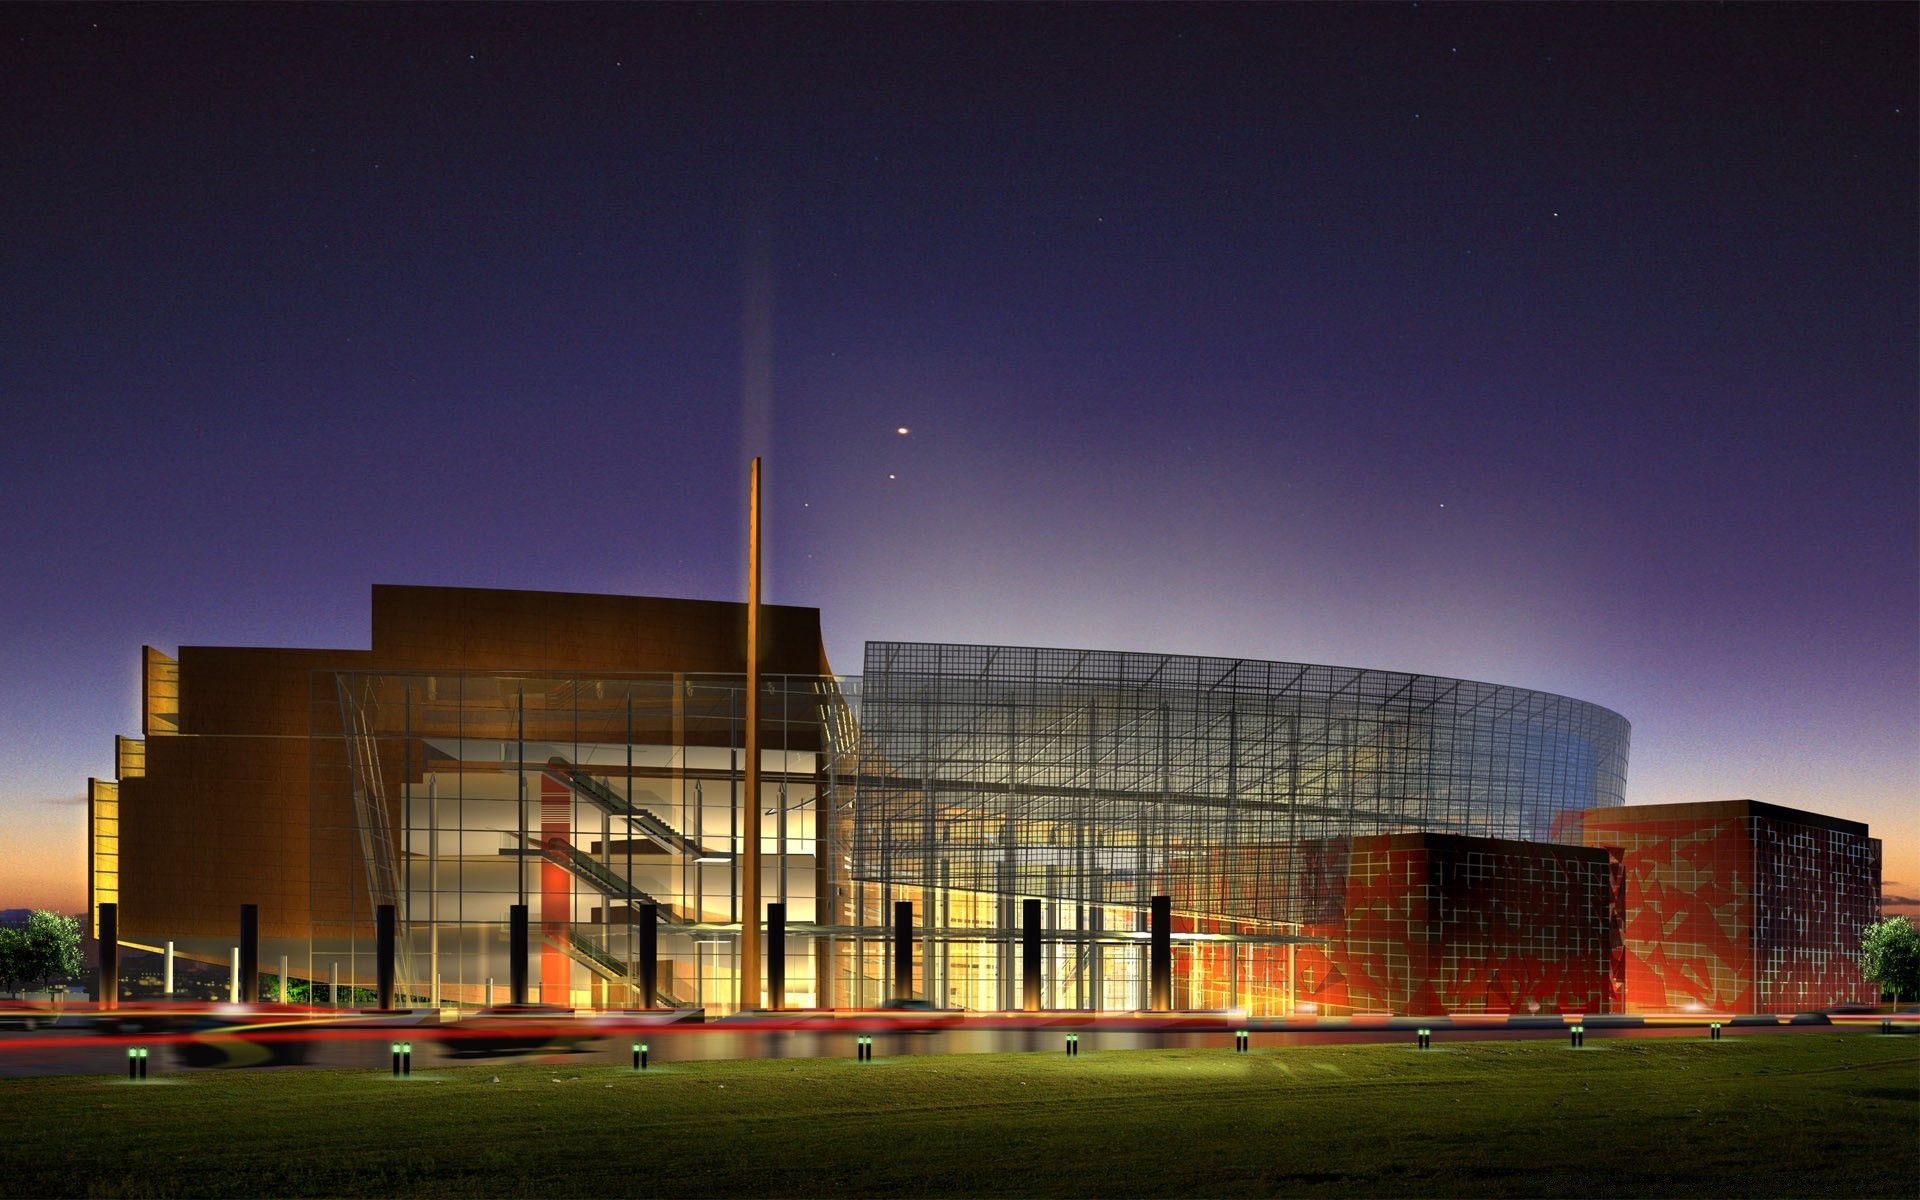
(962, 780)
(1093, 781)
(454, 796)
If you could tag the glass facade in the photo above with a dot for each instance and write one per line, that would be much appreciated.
(1094, 780)
(962, 780)
(582, 798)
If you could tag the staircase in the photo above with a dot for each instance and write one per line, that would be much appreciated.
(599, 794)
(563, 853)
(582, 950)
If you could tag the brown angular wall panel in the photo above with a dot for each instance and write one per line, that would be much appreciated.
(222, 816)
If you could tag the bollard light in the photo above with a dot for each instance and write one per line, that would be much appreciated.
(133, 1062)
(143, 1062)
(396, 1060)
(406, 1058)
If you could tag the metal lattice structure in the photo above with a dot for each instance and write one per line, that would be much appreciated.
(1098, 778)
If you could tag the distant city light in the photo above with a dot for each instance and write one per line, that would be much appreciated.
(903, 431)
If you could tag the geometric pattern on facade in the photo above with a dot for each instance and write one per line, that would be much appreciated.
(1739, 906)
(1419, 923)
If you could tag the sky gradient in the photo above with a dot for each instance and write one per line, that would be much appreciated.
(1570, 347)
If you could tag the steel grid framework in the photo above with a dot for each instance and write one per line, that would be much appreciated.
(1101, 778)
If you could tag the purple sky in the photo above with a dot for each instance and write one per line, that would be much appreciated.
(1571, 347)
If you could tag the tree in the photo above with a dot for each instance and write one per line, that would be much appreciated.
(13, 958)
(1890, 957)
(52, 948)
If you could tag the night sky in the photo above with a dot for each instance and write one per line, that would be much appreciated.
(1571, 347)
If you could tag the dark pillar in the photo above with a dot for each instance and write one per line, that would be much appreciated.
(517, 953)
(1161, 995)
(383, 953)
(903, 950)
(776, 957)
(1030, 954)
(249, 954)
(109, 956)
(649, 955)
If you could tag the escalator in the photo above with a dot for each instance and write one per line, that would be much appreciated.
(582, 950)
(560, 852)
(599, 794)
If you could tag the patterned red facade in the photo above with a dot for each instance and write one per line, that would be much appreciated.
(1739, 906)
(1430, 923)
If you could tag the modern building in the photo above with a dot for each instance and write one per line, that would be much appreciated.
(1739, 906)
(1327, 839)
(1431, 923)
(1096, 780)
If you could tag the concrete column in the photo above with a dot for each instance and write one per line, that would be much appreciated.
(1161, 962)
(776, 957)
(649, 955)
(249, 954)
(1030, 955)
(109, 923)
(1233, 974)
(383, 953)
(903, 950)
(517, 953)
(166, 969)
(283, 979)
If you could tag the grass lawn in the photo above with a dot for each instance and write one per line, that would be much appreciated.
(1775, 1115)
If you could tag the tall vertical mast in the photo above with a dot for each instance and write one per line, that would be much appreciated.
(750, 851)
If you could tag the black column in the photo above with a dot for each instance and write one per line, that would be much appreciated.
(517, 953)
(383, 953)
(1161, 996)
(776, 957)
(109, 956)
(1030, 954)
(249, 954)
(903, 950)
(649, 955)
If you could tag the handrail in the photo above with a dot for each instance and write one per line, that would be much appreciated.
(561, 852)
(564, 772)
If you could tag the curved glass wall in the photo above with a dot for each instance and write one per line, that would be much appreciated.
(1094, 780)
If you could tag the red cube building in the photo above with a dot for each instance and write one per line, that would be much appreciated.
(1432, 923)
(1739, 906)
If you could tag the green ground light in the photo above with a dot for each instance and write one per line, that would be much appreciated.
(1787, 1115)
